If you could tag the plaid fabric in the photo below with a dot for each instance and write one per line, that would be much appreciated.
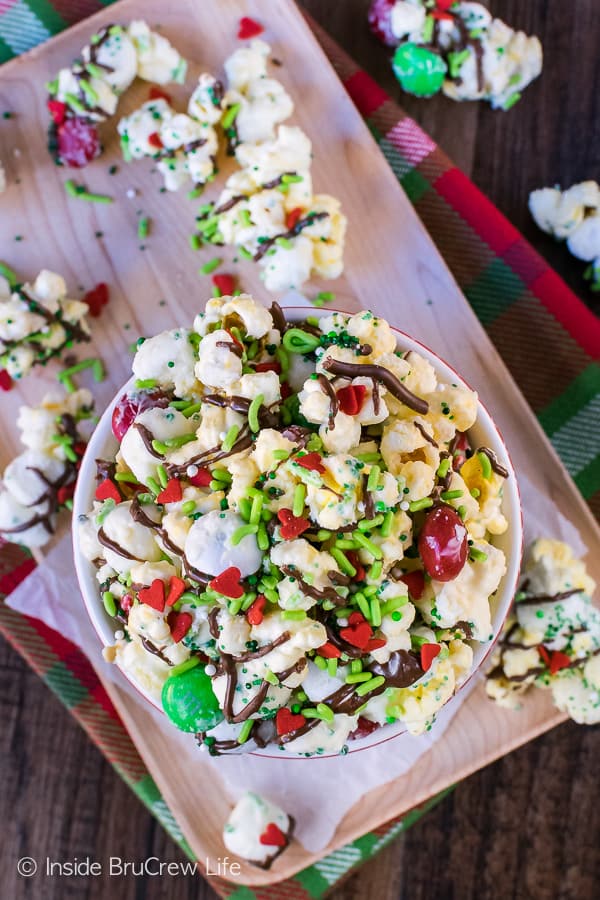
(547, 337)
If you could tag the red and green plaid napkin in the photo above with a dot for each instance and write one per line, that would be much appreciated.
(548, 338)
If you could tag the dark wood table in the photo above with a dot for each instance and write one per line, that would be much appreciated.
(527, 826)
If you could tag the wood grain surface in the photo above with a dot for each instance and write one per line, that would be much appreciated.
(526, 827)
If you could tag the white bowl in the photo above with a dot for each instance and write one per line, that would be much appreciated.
(103, 445)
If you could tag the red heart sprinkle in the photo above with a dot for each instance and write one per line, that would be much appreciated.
(441, 16)
(154, 596)
(96, 299)
(57, 110)
(202, 478)
(329, 651)
(228, 583)
(312, 462)
(268, 367)
(6, 381)
(155, 141)
(156, 93)
(79, 447)
(358, 635)
(356, 618)
(415, 582)
(225, 283)
(544, 654)
(292, 218)
(179, 623)
(65, 493)
(273, 836)
(352, 398)
(287, 721)
(255, 612)
(172, 493)
(176, 589)
(375, 644)
(126, 602)
(107, 490)
(558, 661)
(249, 28)
(445, 4)
(291, 526)
(354, 560)
(428, 654)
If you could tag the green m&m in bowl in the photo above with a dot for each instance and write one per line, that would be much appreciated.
(189, 700)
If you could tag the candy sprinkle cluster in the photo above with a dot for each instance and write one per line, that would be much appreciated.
(294, 536)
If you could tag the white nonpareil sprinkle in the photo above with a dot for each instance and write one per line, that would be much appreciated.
(191, 471)
(119, 635)
(131, 192)
(404, 505)
(342, 622)
(210, 669)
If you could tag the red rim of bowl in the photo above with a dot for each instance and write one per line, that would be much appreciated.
(289, 757)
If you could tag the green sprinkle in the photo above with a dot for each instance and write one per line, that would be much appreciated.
(195, 192)
(443, 468)
(299, 498)
(386, 527)
(345, 565)
(291, 179)
(74, 190)
(356, 666)
(126, 476)
(229, 115)
(75, 103)
(363, 604)
(153, 484)
(368, 545)
(375, 570)
(191, 410)
(393, 604)
(323, 535)
(462, 511)
(455, 62)
(293, 615)
(320, 663)
(210, 266)
(161, 474)
(370, 524)
(280, 455)
(188, 507)
(358, 677)
(244, 218)
(477, 555)
(262, 540)
(370, 685)
(234, 606)
(109, 603)
(475, 492)
(451, 495)
(373, 478)
(8, 273)
(375, 612)
(190, 663)
(325, 712)
(416, 505)
(230, 438)
(245, 254)
(253, 413)
(332, 665)
(510, 102)
(271, 678)
(256, 509)
(245, 731)
(284, 242)
(301, 342)
(145, 383)
(143, 228)
(486, 466)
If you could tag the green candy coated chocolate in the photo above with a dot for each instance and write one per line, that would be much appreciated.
(190, 702)
(420, 71)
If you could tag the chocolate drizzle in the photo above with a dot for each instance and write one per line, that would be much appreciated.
(326, 593)
(401, 670)
(147, 438)
(380, 374)
(534, 600)
(115, 547)
(155, 651)
(279, 320)
(420, 428)
(293, 232)
(496, 466)
(327, 388)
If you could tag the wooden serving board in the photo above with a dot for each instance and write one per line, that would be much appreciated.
(392, 267)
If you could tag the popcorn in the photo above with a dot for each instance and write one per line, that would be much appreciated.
(41, 480)
(552, 639)
(257, 830)
(466, 53)
(574, 215)
(274, 532)
(37, 321)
